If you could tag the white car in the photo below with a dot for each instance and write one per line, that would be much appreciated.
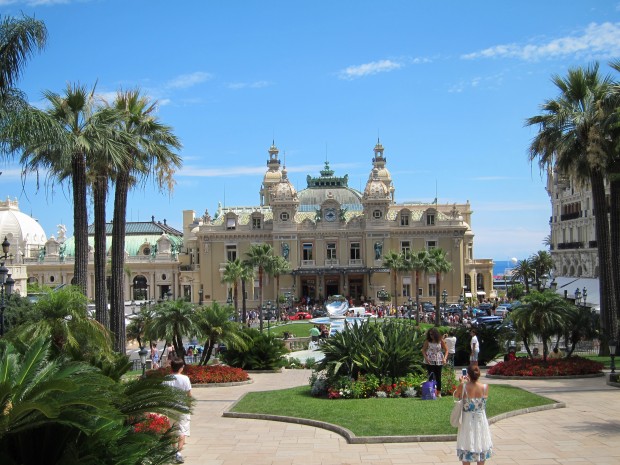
(501, 311)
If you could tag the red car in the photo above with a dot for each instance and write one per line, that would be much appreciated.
(300, 316)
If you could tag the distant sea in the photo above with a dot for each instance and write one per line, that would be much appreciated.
(500, 266)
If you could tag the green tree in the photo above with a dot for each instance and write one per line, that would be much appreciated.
(570, 131)
(246, 275)
(233, 272)
(438, 264)
(278, 265)
(136, 329)
(542, 264)
(523, 271)
(418, 261)
(259, 256)
(214, 323)
(172, 321)
(150, 149)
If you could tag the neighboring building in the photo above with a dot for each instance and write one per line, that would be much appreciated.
(334, 238)
(573, 237)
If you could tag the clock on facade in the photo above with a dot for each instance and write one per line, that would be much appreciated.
(330, 214)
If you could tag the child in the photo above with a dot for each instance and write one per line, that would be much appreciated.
(182, 382)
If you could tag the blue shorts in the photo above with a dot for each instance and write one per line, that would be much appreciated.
(474, 356)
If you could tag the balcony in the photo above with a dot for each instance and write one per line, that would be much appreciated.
(307, 263)
(570, 245)
(570, 216)
(332, 262)
(355, 262)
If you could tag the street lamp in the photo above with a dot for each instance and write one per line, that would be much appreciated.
(417, 306)
(612, 352)
(444, 295)
(169, 295)
(142, 354)
(461, 305)
(584, 294)
(410, 307)
(6, 283)
(200, 292)
(269, 315)
(577, 296)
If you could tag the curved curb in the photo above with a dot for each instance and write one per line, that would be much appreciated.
(525, 378)
(353, 439)
(212, 385)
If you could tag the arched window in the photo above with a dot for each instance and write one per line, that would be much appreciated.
(140, 288)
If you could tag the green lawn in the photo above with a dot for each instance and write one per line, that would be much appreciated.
(300, 329)
(605, 360)
(380, 417)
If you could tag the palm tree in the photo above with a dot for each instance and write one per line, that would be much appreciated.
(565, 142)
(246, 275)
(545, 313)
(150, 151)
(172, 321)
(259, 257)
(418, 261)
(63, 315)
(214, 323)
(136, 329)
(394, 261)
(523, 271)
(542, 264)
(232, 275)
(277, 267)
(438, 264)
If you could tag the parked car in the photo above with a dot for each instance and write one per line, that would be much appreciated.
(487, 321)
(300, 316)
(502, 310)
(319, 312)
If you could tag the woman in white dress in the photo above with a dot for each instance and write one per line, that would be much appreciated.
(473, 442)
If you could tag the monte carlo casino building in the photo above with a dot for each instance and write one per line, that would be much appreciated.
(334, 238)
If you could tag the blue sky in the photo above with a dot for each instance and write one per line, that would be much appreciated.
(446, 85)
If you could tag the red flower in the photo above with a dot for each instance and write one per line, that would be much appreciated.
(554, 367)
(199, 374)
(152, 423)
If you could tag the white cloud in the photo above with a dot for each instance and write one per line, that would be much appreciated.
(185, 81)
(193, 171)
(597, 39)
(367, 69)
(248, 85)
(10, 174)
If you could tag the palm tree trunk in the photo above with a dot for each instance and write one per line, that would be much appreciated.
(117, 298)
(244, 311)
(236, 300)
(614, 226)
(609, 319)
(101, 302)
(417, 298)
(395, 289)
(80, 221)
(437, 301)
(260, 307)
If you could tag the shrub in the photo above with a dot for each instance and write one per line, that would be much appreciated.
(264, 352)
(552, 367)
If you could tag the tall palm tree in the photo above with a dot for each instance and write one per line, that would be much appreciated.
(247, 274)
(418, 261)
(564, 142)
(394, 261)
(259, 257)
(232, 275)
(542, 264)
(214, 323)
(523, 271)
(438, 264)
(150, 152)
(172, 321)
(277, 267)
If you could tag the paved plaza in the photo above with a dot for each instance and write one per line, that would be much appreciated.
(586, 432)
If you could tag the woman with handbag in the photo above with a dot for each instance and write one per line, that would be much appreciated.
(435, 354)
(473, 442)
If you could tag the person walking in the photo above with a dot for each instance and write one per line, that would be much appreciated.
(451, 345)
(180, 381)
(474, 347)
(154, 356)
(435, 355)
(473, 441)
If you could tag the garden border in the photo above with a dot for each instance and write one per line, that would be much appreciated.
(353, 439)
(210, 385)
(591, 375)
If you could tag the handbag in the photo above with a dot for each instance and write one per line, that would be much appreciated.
(456, 416)
(429, 388)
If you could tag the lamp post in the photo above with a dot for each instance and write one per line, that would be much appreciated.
(417, 306)
(410, 307)
(461, 305)
(200, 292)
(444, 295)
(612, 352)
(584, 295)
(6, 283)
(169, 295)
(142, 354)
(578, 297)
(269, 316)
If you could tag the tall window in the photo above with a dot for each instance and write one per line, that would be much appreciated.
(431, 245)
(331, 251)
(404, 220)
(231, 223)
(231, 252)
(356, 252)
(432, 290)
(255, 223)
(430, 219)
(405, 247)
(307, 251)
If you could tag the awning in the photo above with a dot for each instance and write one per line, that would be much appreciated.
(468, 294)
(481, 293)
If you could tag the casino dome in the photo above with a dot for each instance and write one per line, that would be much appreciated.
(24, 233)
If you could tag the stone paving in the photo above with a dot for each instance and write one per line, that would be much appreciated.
(586, 432)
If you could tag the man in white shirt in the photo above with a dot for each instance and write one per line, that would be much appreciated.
(180, 381)
(451, 345)
(475, 348)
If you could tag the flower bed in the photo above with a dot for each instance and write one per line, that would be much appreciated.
(152, 423)
(210, 374)
(573, 366)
